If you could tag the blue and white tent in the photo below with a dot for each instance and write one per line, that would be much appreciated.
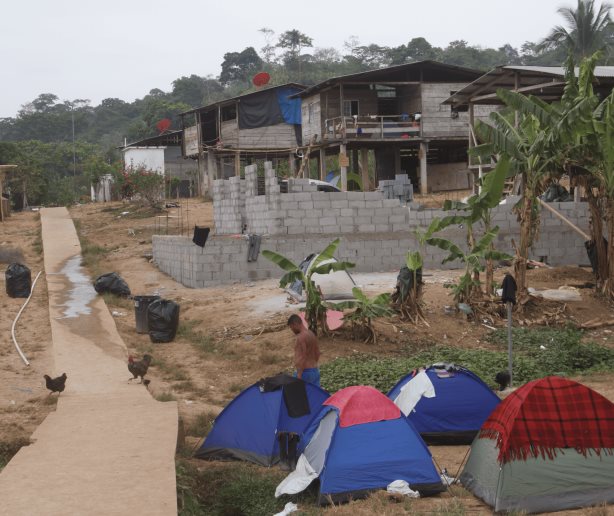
(446, 403)
(357, 443)
(249, 426)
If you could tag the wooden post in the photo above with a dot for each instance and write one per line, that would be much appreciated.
(211, 168)
(292, 164)
(322, 163)
(397, 160)
(423, 175)
(238, 163)
(344, 169)
(364, 169)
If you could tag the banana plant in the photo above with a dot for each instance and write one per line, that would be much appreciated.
(468, 286)
(365, 310)
(315, 309)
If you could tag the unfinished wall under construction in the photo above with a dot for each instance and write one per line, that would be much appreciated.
(224, 258)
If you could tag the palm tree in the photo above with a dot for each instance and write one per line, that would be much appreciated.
(589, 29)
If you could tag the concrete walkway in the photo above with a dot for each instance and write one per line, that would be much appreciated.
(109, 447)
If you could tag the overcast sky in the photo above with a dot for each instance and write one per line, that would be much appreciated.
(111, 48)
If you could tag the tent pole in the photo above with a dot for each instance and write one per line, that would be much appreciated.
(509, 339)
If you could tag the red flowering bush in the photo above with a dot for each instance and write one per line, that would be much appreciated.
(140, 183)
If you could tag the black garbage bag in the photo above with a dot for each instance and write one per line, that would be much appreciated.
(18, 280)
(113, 283)
(162, 320)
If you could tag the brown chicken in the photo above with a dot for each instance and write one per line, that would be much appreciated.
(55, 384)
(139, 367)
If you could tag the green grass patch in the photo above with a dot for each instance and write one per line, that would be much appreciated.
(565, 354)
(202, 342)
(231, 489)
(201, 424)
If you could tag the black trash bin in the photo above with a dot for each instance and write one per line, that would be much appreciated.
(141, 304)
(18, 280)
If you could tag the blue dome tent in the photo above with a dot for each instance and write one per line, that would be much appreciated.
(250, 426)
(357, 443)
(451, 409)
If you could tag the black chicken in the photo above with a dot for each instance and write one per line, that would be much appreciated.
(139, 367)
(503, 379)
(56, 384)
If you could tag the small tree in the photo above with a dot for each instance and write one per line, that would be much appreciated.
(140, 182)
(315, 308)
(365, 310)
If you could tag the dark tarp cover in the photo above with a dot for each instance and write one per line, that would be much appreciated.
(295, 394)
(269, 107)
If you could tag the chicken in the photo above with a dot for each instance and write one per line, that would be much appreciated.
(55, 384)
(139, 367)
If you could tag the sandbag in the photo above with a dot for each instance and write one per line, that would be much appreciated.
(18, 280)
(162, 320)
(113, 283)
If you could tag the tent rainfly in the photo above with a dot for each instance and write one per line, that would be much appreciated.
(250, 426)
(446, 403)
(357, 443)
(548, 446)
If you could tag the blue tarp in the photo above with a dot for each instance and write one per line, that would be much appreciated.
(247, 427)
(461, 404)
(290, 108)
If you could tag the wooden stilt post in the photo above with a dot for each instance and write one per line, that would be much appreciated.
(364, 169)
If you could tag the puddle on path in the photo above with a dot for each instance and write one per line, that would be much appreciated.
(80, 290)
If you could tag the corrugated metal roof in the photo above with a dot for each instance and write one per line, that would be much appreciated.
(528, 76)
(559, 71)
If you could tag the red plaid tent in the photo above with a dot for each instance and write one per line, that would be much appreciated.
(546, 415)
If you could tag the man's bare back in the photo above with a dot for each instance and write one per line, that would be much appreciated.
(306, 350)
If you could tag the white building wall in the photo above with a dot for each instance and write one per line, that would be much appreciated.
(152, 158)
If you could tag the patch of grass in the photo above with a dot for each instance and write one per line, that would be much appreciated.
(565, 354)
(201, 342)
(451, 507)
(165, 396)
(9, 448)
(235, 388)
(170, 371)
(118, 302)
(50, 400)
(231, 489)
(185, 386)
(201, 424)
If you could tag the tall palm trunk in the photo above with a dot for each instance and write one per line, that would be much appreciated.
(602, 270)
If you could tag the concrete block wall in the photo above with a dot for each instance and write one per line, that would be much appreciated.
(224, 259)
(303, 210)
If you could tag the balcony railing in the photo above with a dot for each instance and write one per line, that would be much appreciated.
(373, 126)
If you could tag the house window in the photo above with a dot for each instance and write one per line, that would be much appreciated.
(350, 108)
(459, 109)
(229, 113)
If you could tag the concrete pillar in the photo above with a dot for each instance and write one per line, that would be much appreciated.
(322, 164)
(344, 170)
(423, 180)
(364, 169)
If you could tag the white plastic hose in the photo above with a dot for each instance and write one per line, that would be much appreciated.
(23, 357)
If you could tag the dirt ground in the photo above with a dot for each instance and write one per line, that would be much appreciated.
(233, 335)
(23, 398)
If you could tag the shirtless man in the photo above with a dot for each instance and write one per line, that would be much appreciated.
(306, 351)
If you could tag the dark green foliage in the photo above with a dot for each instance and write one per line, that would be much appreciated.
(564, 354)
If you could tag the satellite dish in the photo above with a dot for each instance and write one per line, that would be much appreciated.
(260, 79)
(163, 125)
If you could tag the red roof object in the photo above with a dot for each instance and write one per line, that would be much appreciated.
(362, 404)
(334, 319)
(163, 125)
(549, 414)
(260, 79)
